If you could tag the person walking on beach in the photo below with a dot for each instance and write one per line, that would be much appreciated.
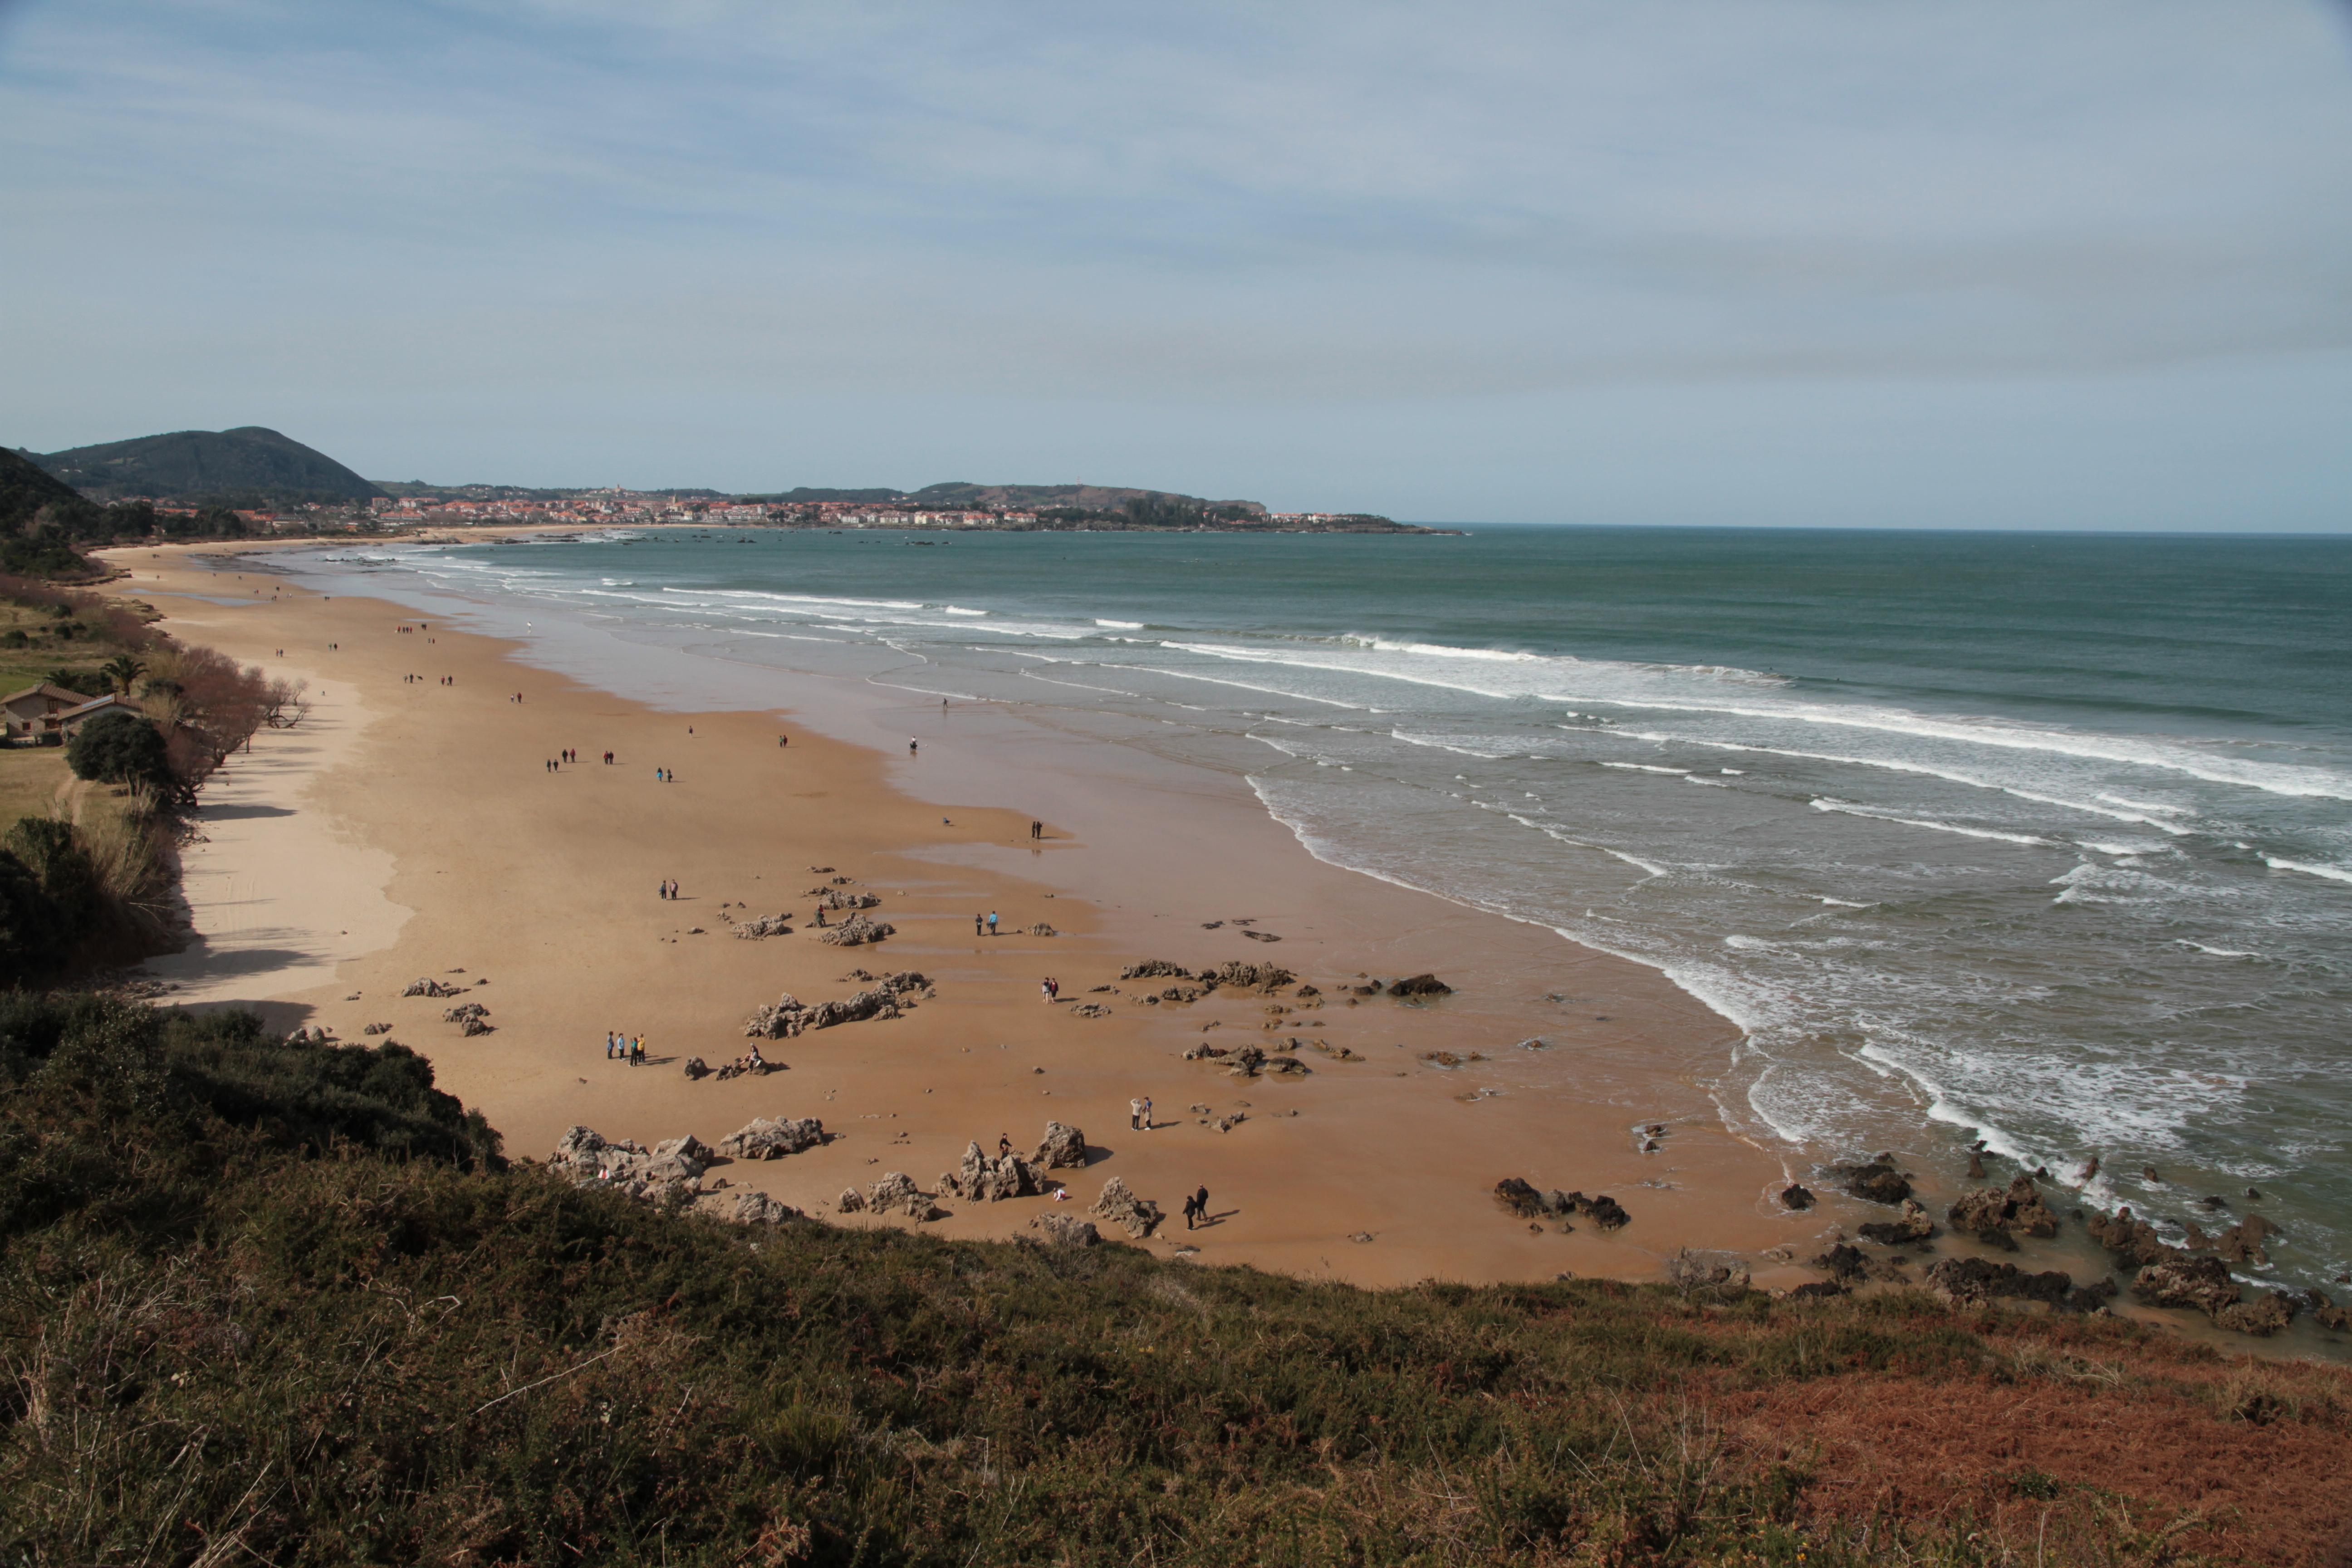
(992, 922)
(1147, 1114)
(1036, 830)
(977, 922)
(1135, 1115)
(637, 1052)
(1192, 1212)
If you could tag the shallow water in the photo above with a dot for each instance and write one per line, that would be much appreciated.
(2046, 841)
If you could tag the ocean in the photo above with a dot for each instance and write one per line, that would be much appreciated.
(2040, 839)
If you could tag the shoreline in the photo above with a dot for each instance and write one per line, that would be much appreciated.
(1146, 850)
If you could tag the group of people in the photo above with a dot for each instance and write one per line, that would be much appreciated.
(625, 1047)
(1138, 1114)
(662, 775)
(668, 887)
(1052, 988)
(1196, 1208)
(984, 924)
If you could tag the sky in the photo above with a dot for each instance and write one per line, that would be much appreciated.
(1902, 263)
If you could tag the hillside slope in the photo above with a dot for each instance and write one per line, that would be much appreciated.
(26, 487)
(246, 461)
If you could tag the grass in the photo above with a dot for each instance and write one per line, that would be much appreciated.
(275, 1303)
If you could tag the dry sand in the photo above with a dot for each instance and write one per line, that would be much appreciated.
(409, 829)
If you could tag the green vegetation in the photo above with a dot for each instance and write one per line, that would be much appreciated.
(124, 748)
(280, 1302)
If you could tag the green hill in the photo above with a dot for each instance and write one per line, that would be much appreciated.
(1077, 498)
(246, 462)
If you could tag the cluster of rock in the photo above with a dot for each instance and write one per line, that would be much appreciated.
(670, 1172)
(1525, 1201)
(471, 1017)
(1972, 1281)
(1137, 1216)
(759, 1208)
(2000, 1215)
(1042, 928)
(788, 1016)
(1687, 1271)
(2187, 1277)
(1236, 975)
(1062, 1230)
(893, 1194)
(1249, 1061)
(982, 1179)
(431, 988)
(856, 931)
(321, 1035)
(1876, 1181)
(773, 1138)
(1916, 1225)
(1420, 986)
(765, 926)
(377, 1029)
(834, 899)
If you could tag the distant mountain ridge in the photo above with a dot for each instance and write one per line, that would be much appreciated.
(248, 462)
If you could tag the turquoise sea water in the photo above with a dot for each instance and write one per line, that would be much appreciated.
(2042, 839)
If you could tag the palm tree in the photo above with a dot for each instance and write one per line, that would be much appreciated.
(122, 670)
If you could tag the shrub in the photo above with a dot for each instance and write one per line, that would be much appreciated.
(29, 948)
(121, 747)
(54, 853)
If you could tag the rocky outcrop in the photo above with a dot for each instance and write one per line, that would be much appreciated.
(2265, 1315)
(1875, 1181)
(1155, 969)
(471, 1018)
(377, 1029)
(766, 925)
(1687, 1271)
(759, 1208)
(982, 1179)
(2001, 1215)
(856, 931)
(1062, 1230)
(834, 899)
(1916, 1226)
(851, 1200)
(1525, 1201)
(668, 1172)
(1420, 986)
(2243, 1243)
(1972, 1281)
(1250, 976)
(773, 1138)
(1137, 1216)
(2133, 1241)
(422, 988)
(2328, 1316)
(2204, 1284)
(1846, 1264)
(788, 1016)
(897, 1194)
(1796, 1195)
(1063, 1148)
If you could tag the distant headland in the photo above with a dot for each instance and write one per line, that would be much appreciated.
(274, 483)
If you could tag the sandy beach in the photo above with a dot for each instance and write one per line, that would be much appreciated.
(412, 828)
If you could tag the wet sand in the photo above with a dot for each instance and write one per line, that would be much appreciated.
(413, 830)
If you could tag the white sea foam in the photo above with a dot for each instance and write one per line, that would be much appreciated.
(960, 610)
(2332, 873)
(1850, 810)
(2217, 952)
(1121, 625)
(1645, 768)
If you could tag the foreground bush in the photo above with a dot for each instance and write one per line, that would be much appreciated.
(281, 1304)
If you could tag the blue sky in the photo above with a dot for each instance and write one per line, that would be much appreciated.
(2047, 263)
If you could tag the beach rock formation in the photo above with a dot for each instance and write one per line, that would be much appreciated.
(1875, 1181)
(2328, 1316)
(1687, 1271)
(1796, 1195)
(670, 1173)
(857, 931)
(1916, 1226)
(1155, 969)
(1523, 1200)
(1972, 1281)
(2000, 1215)
(1285, 1067)
(1063, 1230)
(431, 988)
(897, 1194)
(1249, 976)
(759, 1208)
(1420, 986)
(982, 1179)
(851, 1200)
(1137, 1216)
(766, 925)
(1063, 1148)
(1261, 936)
(2204, 1283)
(834, 899)
(2133, 1241)
(773, 1138)
(788, 1016)
(471, 1017)
(2243, 1243)
(377, 1029)
(1844, 1263)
